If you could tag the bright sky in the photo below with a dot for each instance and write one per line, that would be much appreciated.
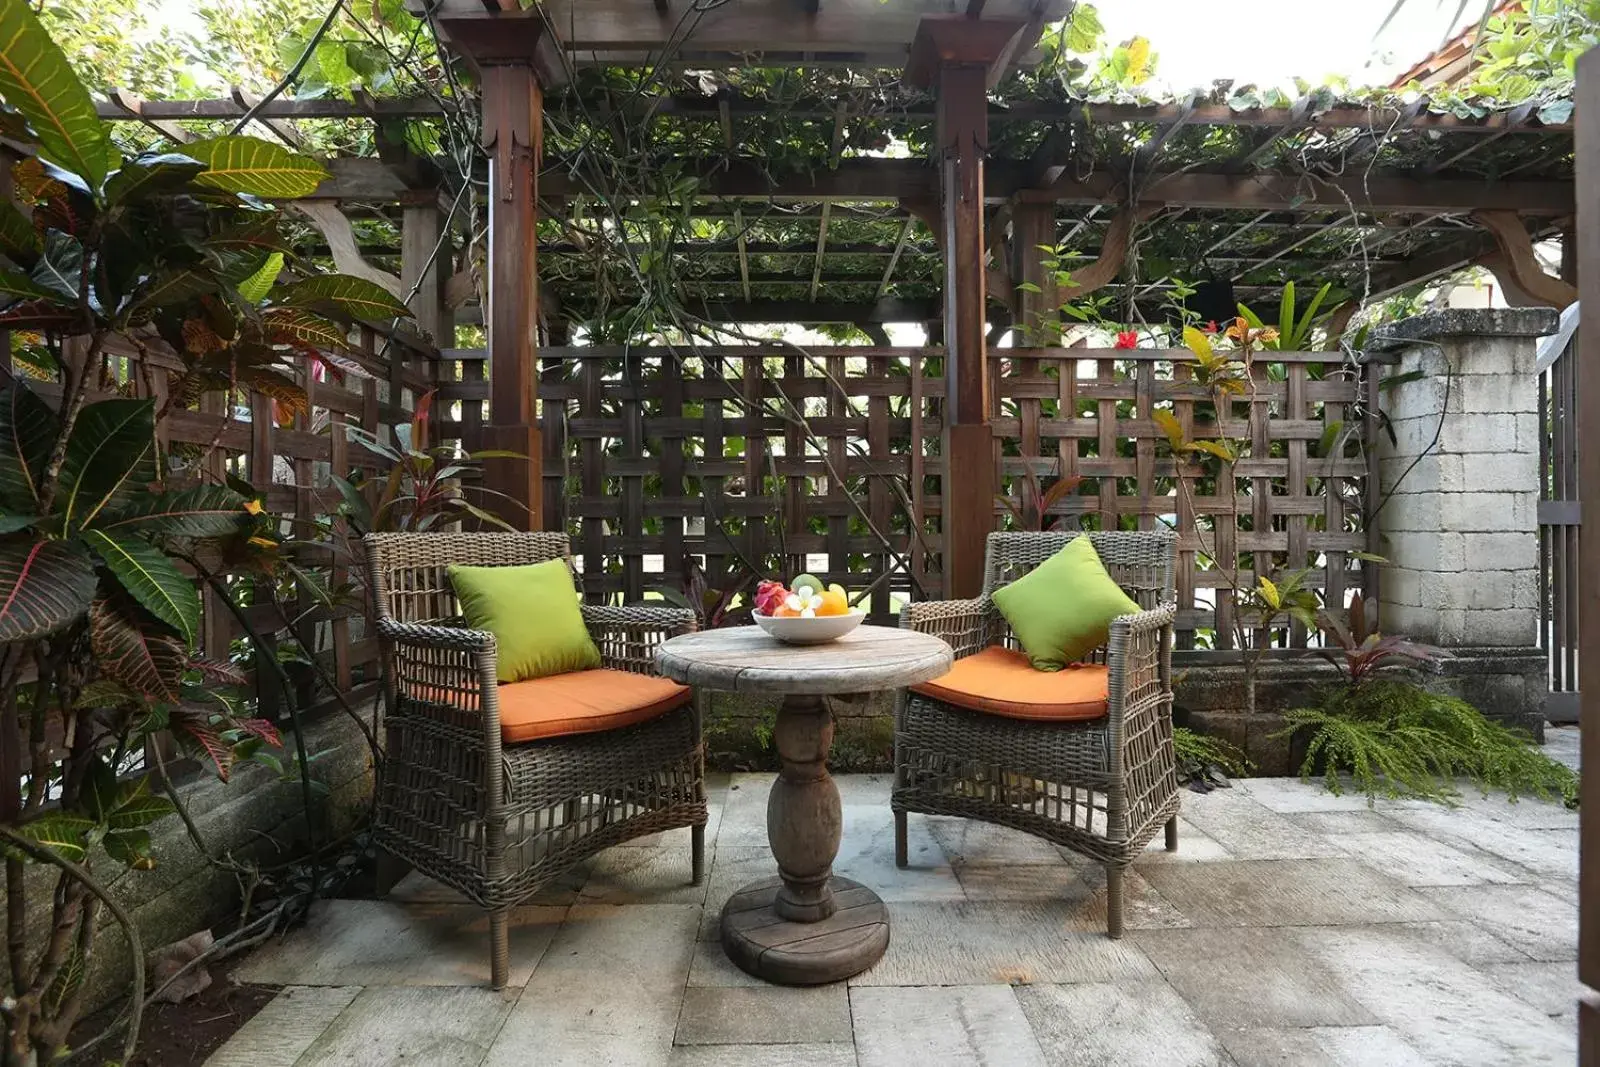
(1270, 42)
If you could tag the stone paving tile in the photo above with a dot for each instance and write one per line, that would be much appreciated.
(1193, 847)
(1336, 824)
(1414, 859)
(1249, 829)
(1550, 987)
(1142, 907)
(971, 842)
(1445, 1009)
(1550, 855)
(1540, 924)
(1011, 941)
(607, 991)
(391, 1026)
(1291, 796)
(1561, 743)
(644, 876)
(924, 1027)
(278, 1034)
(1321, 1046)
(866, 853)
(1306, 892)
(734, 868)
(765, 1015)
(744, 813)
(381, 943)
(1466, 941)
(1234, 979)
(711, 967)
(1098, 1023)
(1055, 881)
(763, 1056)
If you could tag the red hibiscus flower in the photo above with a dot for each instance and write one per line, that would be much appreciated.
(1211, 327)
(1127, 339)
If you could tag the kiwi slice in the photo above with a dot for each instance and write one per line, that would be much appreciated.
(807, 579)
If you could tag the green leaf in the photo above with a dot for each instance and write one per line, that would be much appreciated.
(199, 511)
(27, 432)
(300, 326)
(110, 455)
(175, 286)
(1197, 342)
(152, 173)
(255, 167)
(19, 241)
(149, 663)
(260, 235)
(13, 523)
(37, 80)
(44, 586)
(130, 848)
(254, 289)
(14, 286)
(356, 297)
(153, 579)
(1268, 592)
(65, 835)
(139, 811)
(60, 269)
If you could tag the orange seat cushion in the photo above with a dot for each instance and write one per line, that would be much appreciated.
(584, 702)
(1000, 681)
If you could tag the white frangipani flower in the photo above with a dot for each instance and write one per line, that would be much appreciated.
(805, 600)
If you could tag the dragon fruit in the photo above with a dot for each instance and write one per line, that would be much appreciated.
(768, 596)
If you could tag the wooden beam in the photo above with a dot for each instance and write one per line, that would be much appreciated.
(888, 309)
(894, 257)
(125, 104)
(281, 130)
(1516, 253)
(822, 245)
(1509, 121)
(887, 180)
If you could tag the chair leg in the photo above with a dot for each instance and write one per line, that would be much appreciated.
(1114, 902)
(697, 853)
(1172, 834)
(388, 869)
(901, 860)
(499, 947)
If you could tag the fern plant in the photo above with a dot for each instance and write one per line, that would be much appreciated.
(1396, 738)
(1204, 758)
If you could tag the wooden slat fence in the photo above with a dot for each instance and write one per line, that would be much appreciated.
(828, 459)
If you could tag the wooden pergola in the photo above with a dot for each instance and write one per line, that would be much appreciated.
(976, 206)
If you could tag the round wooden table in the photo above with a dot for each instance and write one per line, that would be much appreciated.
(805, 926)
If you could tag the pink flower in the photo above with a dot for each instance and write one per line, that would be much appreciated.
(1127, 339)
(1211, 327)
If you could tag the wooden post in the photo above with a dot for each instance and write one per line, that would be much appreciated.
(513, 134)
(420, 228)
(1588, 268)
(954, 54)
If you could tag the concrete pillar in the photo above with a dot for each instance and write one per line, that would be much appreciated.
(1458, 518)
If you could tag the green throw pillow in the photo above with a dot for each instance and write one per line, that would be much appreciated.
(532, 612)
(1063, 609)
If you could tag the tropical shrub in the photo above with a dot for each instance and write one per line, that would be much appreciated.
(107, 264)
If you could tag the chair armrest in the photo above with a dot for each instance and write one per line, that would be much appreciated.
(964, 624)
(1138, 655)
(627, 636)
(427, 635)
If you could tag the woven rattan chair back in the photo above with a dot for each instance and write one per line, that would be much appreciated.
(1141, 561)
(410, 571)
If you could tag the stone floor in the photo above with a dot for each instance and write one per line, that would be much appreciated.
(1293, 927)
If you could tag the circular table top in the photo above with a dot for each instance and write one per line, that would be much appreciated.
(745, 659)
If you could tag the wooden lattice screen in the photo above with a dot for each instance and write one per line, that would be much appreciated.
(652, 453)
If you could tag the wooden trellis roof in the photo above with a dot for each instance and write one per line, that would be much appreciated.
(806, 209)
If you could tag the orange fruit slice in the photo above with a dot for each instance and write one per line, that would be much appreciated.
(834, 602)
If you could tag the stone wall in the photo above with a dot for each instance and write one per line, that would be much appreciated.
(1458, 516)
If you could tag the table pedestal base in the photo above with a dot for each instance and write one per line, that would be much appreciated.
(763, 943)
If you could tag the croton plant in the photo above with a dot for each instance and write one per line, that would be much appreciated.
(115, 270)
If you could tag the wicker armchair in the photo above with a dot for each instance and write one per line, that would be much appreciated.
(496, 820)
(1100, 787)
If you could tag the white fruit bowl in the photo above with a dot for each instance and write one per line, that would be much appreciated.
(796, 630)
